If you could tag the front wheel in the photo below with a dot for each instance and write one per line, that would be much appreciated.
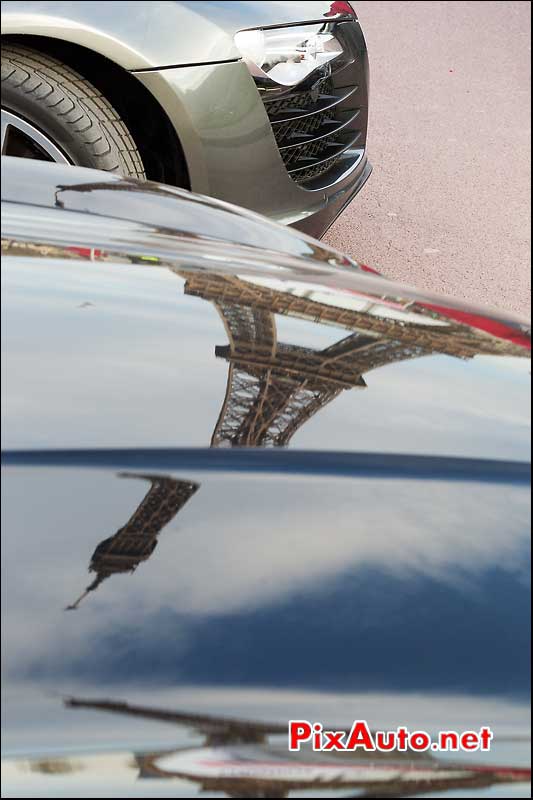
(52, 113)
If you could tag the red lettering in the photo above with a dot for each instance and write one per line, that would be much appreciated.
(360, 736)
(485, 734)
(469, 740)
(299, 731)
(419, 741)
(385, 741)
(334, 740)
(402, 735)
(449, 740)
(317, 736)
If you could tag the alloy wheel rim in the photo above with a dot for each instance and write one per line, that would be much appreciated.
(21, 138)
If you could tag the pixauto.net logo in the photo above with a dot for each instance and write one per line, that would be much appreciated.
(360, 737)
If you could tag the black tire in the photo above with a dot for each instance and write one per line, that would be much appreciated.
(69, 110)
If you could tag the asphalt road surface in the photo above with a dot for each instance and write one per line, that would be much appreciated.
(447, 206)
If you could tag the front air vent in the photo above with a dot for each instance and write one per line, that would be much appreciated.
(320, 125)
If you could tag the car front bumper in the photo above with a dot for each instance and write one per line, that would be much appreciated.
(336, 201)
(231, 150)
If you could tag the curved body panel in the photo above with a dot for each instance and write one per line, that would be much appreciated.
(153, 34)
(231, 152)
(245, 481)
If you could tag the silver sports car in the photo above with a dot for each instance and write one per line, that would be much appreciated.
(259, 104)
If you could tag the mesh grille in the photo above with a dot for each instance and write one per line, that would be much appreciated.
(314, 151)
(315, 172)
(305, 126)
(297, 101)
(316, 124)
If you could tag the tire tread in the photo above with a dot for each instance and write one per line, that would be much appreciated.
(76, 105)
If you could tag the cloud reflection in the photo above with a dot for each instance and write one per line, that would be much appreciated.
(325, 578)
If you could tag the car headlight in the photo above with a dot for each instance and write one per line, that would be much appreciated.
(286, 56)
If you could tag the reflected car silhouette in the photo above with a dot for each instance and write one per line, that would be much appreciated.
(241, 759)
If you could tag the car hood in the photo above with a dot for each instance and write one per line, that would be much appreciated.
(332, 472)
(194, 265)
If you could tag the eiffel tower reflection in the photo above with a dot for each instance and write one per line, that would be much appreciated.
(137, 539)
(273, 388)
(238, 758)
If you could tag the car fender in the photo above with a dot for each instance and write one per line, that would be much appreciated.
(152, 35)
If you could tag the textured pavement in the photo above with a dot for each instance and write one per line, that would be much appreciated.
(447, 206)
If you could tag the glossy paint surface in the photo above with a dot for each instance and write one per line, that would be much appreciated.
(142, 371)
(153, 335)
(372, 598)
(154, 34)
(246, 481)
